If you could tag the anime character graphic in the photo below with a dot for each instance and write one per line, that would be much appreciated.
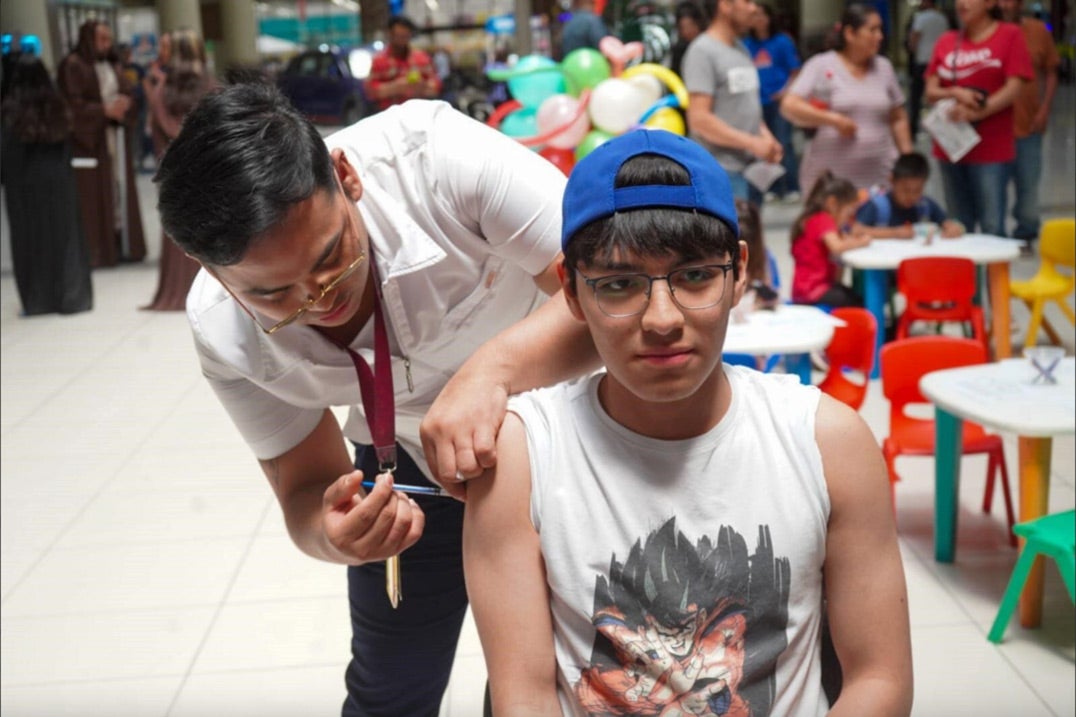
(688, 629)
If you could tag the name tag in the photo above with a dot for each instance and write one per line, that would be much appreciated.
(743, 79)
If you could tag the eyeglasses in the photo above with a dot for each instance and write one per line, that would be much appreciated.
(693, 287)
(313, 301)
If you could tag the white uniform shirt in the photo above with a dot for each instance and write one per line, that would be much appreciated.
(461, 218)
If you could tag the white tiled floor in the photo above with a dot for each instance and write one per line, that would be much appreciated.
(146, 570)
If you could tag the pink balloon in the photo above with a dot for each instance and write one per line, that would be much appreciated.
(619, 54)
(563, 111)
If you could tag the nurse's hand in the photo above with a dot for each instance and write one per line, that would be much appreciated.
(369, 526)
(459, 432)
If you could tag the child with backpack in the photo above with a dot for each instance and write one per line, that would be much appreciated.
(894, 214)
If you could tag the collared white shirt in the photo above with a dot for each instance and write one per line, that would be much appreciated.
(461, 218)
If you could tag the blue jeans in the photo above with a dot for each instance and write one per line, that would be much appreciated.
(742, 189)
(782, 132)
(401, 659)
(1025, 171)
(975, 195)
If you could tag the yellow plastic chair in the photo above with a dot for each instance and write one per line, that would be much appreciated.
(1057, 247)
(1052, 536)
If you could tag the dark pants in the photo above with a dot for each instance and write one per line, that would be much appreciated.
(781, 129)
(401, 659)
(839, 295)
(915, 97)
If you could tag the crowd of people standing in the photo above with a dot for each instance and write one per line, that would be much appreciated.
(86, 131)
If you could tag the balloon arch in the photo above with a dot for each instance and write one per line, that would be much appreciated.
(564, 110)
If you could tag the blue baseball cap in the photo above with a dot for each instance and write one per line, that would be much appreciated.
(590, 194)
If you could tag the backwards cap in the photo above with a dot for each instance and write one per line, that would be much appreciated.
(590, 194)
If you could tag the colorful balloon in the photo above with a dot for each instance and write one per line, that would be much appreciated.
(591, 142)
(521, 123)
(618, 53)
(616, 105)
(667, 76)
(564, 112)
(562, 159)
(667, 119)
(583, 69)
(534, 78)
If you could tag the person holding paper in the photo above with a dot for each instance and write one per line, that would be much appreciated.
(981, 68)
(725, 112)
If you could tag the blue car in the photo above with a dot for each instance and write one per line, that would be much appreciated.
(326, 84)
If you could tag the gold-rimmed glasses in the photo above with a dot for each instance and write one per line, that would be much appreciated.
(314, 300)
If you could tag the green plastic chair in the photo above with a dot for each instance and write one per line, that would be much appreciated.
(1051, 535)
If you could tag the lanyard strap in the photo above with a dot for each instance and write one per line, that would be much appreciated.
(375, 385)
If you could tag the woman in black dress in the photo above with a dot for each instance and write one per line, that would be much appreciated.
(51, 261)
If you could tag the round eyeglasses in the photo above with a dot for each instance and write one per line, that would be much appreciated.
(692, 288)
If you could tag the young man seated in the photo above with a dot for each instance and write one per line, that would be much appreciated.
(669, 535)
(893, 215)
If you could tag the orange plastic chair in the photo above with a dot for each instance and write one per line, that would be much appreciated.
(851, 356)
(1057, 247)
(903, 363)
(939, 289)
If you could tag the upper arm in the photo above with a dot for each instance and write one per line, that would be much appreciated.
(505, 577)
(549, 280)
(699, 106)
(310, 466)
(864, 578)
(498, 189)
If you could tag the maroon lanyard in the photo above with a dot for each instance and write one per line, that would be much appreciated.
(378, 400)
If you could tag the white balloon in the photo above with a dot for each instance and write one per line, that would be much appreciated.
(649, 85)
(616, 105)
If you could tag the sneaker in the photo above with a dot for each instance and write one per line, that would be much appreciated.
(1027, 248)
(792, 197)
(769, 197)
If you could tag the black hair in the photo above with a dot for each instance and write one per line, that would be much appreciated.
(769, 13)
(827, 185)
(747, 215)
(401, 20)
(855, 16)
(34, 111)
(651, 231)
(691, 9)
(242, 160)
(911, 166)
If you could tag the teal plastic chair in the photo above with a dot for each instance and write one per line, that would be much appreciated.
(1053, 536)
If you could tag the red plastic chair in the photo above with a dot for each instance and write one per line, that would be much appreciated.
(903, 363)
(851, 356)
(939, 289)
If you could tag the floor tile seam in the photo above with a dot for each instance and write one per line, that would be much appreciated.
(69, 681)
(223, 602)
(89, 366)
(165, 415)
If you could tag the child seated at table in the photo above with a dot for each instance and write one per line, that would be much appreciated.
(893, 214)
(819, 236)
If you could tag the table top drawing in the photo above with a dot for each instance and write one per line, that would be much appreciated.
(1006, 396)
(884, 255)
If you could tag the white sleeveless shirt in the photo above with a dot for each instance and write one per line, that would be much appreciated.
(683, 573)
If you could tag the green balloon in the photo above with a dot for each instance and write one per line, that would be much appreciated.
(594, 138)
(584, 68)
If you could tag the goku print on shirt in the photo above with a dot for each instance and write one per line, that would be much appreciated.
(688, 629)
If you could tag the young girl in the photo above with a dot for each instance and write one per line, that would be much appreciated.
(818, 238)
(761, 286)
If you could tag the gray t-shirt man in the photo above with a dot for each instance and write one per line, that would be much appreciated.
(727, 73)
